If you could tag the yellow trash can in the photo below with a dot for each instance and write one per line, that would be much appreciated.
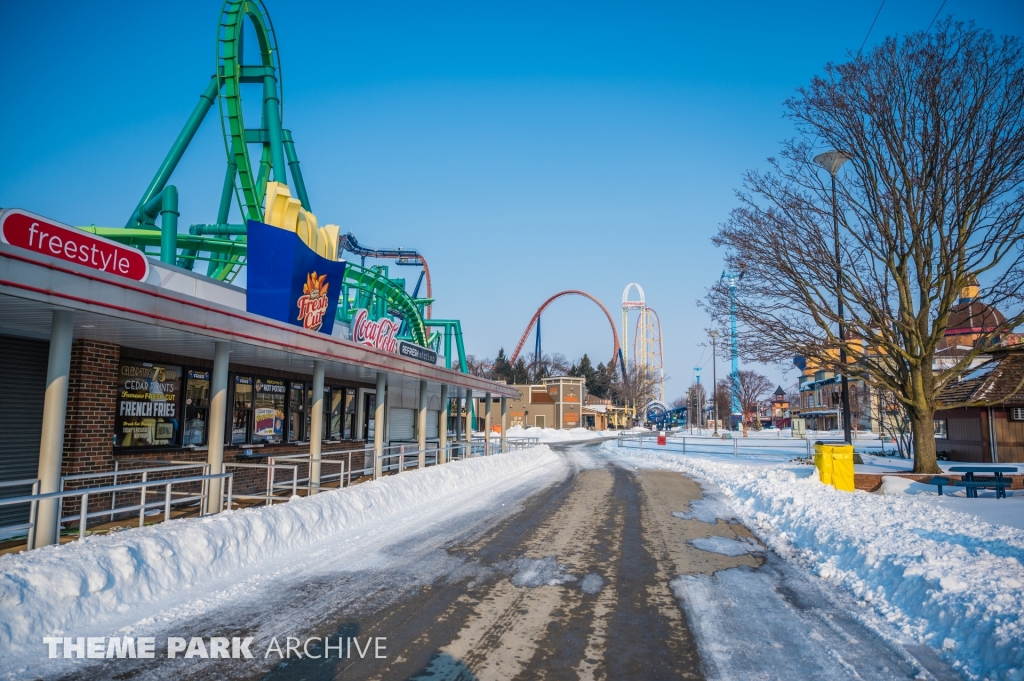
(842, 467)
(823, 462)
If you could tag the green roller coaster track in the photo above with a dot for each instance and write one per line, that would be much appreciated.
(223, 246)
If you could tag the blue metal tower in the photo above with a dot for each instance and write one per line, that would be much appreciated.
(536, 348)
(737, 408)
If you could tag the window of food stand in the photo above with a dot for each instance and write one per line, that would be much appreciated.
(350, 414)
(148, 404)
(327, 413)
(197, 407)
(241, 416)
(337, 404)
(296, 411)
(268, 414)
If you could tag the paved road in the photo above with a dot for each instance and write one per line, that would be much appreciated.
(596, 577)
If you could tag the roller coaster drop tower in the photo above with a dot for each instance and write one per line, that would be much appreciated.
(648, 348)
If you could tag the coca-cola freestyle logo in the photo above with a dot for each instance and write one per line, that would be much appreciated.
(313, 302)
(378, 334)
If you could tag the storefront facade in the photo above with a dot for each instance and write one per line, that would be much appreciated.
(173, 367)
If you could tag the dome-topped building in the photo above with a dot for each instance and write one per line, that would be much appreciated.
(970, 319)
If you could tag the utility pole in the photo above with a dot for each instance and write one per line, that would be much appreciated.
(714, 377)
(698, 411)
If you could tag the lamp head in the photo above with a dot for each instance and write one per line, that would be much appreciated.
(832, 160)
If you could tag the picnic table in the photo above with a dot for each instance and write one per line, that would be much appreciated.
(997, 481)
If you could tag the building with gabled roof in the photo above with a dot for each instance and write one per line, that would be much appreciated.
(988, 426)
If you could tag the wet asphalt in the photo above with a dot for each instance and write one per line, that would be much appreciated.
(573, 582)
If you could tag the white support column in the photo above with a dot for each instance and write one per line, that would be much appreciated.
(51, 442)
(316, 425)
(460, 436)
(442, 426)
(357, 432)
(218, 415)
(487, 426)
(421, 427)
(504, 424)
(378, 425)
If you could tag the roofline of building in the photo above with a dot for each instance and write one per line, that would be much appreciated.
(53, 282)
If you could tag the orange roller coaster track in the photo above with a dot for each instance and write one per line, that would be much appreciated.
(536, 316)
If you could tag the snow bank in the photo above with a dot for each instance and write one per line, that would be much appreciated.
(556, 435)
(84, 585)
(941, 577)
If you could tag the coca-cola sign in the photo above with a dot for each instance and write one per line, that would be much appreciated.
(378, 334)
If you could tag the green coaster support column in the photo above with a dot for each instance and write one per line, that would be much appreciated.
(272, 107)
(293, 166)
(177, 149)
(169, 224)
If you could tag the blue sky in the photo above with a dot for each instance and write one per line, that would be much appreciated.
(524, 148)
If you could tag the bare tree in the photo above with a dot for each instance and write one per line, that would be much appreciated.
(479, 367)
(640, 388)
(723, 398)
(555, 364)
(894, 422)
(754, 387)
(694, 401)
(930, 200)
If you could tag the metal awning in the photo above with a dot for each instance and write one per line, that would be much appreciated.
(138, 315)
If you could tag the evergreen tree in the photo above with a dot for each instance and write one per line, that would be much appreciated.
(501, 369)
(520, 374)
(601, 383)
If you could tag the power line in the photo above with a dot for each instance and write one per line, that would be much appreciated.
(935, 17)
(871, 28)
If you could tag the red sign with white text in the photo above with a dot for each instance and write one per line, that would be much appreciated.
(41, 235)
(378, 334)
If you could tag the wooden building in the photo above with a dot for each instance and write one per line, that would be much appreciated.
(990, 427)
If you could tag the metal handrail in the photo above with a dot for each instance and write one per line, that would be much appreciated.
(144, 472)
(83, 515)
(33, 508)
(272, 486)
(455, 450)
(308, 459)
(807, 445)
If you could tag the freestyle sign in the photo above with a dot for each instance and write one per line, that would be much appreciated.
(34, 233)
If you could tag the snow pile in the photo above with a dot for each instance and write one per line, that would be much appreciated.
(86, 586)
(941, 577)
(556, 435)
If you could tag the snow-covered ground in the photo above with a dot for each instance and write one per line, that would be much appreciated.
(117, 582)
(566, 435)
(933, 567)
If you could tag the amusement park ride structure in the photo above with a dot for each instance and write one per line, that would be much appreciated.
(648, 348)
(222, 245)
(535, 321)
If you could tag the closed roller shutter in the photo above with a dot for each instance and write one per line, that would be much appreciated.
(432, 416)
(401, 424)
(22, 391)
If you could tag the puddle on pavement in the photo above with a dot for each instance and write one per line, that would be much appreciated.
(726, 546)
(534, 572)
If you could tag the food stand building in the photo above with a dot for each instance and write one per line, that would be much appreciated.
(100, 367)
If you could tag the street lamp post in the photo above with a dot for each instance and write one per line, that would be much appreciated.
(832, 161)
(714, 378)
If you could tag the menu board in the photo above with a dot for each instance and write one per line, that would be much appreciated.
(148, 397)
(269, 412)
